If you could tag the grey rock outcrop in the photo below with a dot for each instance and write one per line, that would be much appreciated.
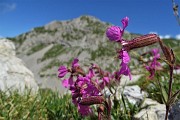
(132, 93)
(14, 75)
(153, 111)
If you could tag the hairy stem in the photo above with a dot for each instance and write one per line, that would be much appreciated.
(169, 92)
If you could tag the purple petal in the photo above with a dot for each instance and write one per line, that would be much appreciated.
(155, 53)
(62, 71)
(65, 83)
(126, 57)
(114, 33)
(84, 110)
(125, 22)
(106, 79)
(90, 74)
(71, 82)
(125, 70)
(151, 70)
(75, 62)
(68, 82)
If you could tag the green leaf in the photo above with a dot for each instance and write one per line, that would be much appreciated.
(165, 95)
(173, 98)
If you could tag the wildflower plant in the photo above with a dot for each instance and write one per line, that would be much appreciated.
(87, 88)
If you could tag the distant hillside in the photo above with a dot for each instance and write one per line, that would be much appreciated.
(45, 48)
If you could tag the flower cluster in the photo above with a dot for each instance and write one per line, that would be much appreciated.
(154, 64)
(86, 89)
(115, 33)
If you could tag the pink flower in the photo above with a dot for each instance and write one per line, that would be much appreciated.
(91, 73)
(155, 53)
(75, 63)
(154, 64)
(123, 55)
(83, 88)
(84, 110)
(105, 82)
(62, 71)
(68, 82)
(114, 33)
(125, 22)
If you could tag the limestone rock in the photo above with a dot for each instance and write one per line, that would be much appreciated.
(13, 73)
(153, 111)
(133, 94)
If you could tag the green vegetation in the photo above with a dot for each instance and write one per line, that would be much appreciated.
(177, 55)
(69, 36)
(85, 18)
(171, 42)
(124, 110)
(96, 26)
(46, 105)
(43, 30)
(152, 86)
(49, 105)
(53, 52)
(19, 39)
(79, 32)
(102, 51)
(53, 63)
(36, 48)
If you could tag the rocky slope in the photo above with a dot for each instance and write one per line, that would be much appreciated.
(45, 48)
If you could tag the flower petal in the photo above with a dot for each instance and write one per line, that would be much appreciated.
(125, 22)
(65, 83)
(62, 71)
(75, 62)
(114, 33)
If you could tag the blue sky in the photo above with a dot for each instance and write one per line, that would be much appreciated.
(19, 16)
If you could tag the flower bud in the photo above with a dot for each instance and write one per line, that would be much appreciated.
(92, 100)
(114, 33)
(141, 41)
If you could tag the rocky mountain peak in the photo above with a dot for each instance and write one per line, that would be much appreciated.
(45, 48)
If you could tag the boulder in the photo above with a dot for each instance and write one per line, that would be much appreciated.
(14, 75)
(153, 111)
(134, 94)
(174, 113)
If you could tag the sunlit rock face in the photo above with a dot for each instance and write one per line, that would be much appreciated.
(14, 75)
(152, 111)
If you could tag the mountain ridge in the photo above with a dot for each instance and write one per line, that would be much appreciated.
(45, 48)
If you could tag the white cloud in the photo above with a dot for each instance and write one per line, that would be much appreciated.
(178, 37)
(153, 33)
(162, 36)
(165, 36)
(6, 7)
